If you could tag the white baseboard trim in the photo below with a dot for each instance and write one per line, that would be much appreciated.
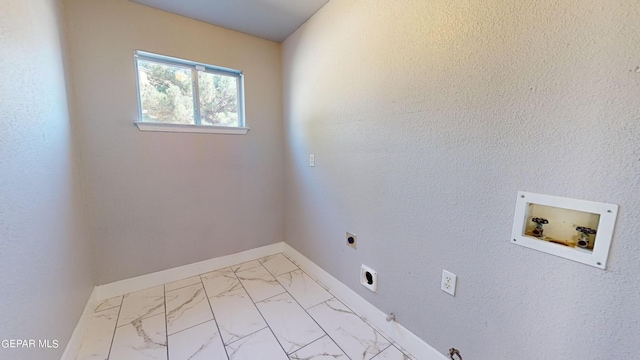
(374, 316)
(73, 346)
(165, 276)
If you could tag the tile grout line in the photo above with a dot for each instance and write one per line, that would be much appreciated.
(399, 348)
(364, 320)
(338, 299)
(288, 272)
(143, 317)
(391, 343)
(238, 339)
(308, 274)
(270, 297)
(383, 350)
(334, 297)
(312, 279)
(268, 272)
(306, 312)
(190, 327)
(184, 305)
(314, 341)
(259, 312)
(235, 271)
(283, 255)
(115, 328)
(166, 326)
(214, 316)
(181, 287)
(375, 329)
(113, 307)
(323, 329)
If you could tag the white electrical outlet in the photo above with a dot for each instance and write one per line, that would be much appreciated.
(312, 160)
(448, 283)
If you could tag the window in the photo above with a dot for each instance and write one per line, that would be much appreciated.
(185, 96)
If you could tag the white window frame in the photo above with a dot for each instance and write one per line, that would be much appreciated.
(195, 67)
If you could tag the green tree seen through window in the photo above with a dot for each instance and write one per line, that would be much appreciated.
(166, 94)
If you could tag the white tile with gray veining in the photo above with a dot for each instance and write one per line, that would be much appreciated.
(322, 349)
(245, 266)
(278, 264)
(354, 336)
(266, 258)
(291, 325)
(236, 315)
(97, 339)
(303, 288)
(252, 310)
(186, 307)
(108, 304)
(182, 283)
(259, 345)
(391, 353)
(220, 282)
(259, 283)
(201, 342)
(141, 305)
(141, 339)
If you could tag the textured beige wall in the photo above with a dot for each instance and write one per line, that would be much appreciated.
(45, 259)
(426, 118)
(160, 200)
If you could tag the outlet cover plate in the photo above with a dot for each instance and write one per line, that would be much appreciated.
(448, 283)
(353, 243)
(369, 278)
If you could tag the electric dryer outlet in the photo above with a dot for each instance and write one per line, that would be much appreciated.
(369, 278)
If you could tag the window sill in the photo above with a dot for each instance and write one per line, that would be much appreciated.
(208, 129)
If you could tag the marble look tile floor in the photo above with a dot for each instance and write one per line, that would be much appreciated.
(265, 309)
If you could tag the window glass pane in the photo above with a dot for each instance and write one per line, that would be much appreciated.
(165, 93)
(218, 99)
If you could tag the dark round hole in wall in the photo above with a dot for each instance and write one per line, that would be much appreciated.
(369, 278)
(350, 240)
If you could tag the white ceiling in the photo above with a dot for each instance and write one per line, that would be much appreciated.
(269, 19)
